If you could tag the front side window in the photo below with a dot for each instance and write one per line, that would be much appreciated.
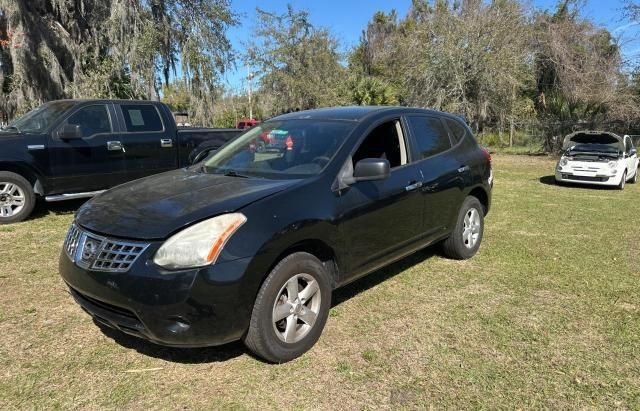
(141, 118)
(92, 120)
(281, 149)
(430, 135)
(385, 141)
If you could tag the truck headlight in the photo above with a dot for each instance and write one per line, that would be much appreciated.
(199, 245)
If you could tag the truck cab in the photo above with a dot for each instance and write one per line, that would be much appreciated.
(78, 148)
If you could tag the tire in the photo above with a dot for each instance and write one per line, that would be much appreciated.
(462, 246)
(266, 337)
(635, 178)
(17, 198)
(623, 181)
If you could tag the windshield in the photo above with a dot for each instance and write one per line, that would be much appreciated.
(41, 118)
(281, 149)
(594, 148)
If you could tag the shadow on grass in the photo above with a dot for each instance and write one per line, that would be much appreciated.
(551, 181)
(235, 349)
(43, 209)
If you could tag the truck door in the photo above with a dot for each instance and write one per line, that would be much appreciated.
(92, 162)
(150, 144)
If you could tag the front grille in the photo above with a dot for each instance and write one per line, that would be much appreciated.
(585, 178)
(98, 253)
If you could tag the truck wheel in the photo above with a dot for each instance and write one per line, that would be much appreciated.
(291, 309)
(464, 241)
(17, 198)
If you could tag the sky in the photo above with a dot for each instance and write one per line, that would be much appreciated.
(347, 18)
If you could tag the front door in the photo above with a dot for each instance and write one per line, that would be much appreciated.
(381, 220)
(92, 162)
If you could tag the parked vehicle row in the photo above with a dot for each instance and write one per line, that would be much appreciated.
(249, 243)
(77, 148)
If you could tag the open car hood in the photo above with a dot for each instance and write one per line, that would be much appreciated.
(593, 137)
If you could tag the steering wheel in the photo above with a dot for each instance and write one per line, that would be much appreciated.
(321, 160)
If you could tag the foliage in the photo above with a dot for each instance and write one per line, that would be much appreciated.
(372, 91)
(298, 63)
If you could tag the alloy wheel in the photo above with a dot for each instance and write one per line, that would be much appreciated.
(471, 228)
(296, 308)
(12, 199)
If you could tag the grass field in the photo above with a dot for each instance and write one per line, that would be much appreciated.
(546, 315)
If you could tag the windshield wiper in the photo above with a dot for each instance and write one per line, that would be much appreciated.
(233, 173)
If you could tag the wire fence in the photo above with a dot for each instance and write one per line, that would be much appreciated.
(544, 136)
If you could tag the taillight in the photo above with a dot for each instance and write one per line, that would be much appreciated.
(289, 143)
(487, 154)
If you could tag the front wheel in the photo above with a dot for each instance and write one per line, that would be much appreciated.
(291, 309)
(623, 181)
(464, 241)
(17, 198)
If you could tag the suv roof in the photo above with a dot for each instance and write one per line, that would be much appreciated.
(355, 113)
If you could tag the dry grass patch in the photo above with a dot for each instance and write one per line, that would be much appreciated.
(545, 316)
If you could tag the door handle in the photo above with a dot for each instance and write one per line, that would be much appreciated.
(166, 143)
(115, 146)
(463, 169)
(413, 186)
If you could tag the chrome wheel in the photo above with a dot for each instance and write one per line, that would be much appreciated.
(12, 199)
(471, 228)
(296, 308)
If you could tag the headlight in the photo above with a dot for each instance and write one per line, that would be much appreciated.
(613, 165)
(199, 245)
(563, 162)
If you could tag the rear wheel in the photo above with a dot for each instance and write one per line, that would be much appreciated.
(464, 241)
(623, 181)
(635, 177)
(291, 309)
(17, 198)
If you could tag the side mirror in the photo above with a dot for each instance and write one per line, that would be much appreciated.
(370, 169)
(70, 132)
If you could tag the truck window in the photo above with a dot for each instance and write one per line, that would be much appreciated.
(430, 135)
(141, 118)
(92, 120)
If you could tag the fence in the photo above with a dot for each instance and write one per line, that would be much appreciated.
(544, 136)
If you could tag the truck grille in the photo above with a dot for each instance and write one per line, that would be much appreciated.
(98, 253)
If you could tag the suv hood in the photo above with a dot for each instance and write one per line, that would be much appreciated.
(155, 207)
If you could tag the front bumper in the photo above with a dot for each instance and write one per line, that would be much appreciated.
(193, 308)
(583, 178)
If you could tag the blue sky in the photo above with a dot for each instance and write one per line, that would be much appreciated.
(347, 18)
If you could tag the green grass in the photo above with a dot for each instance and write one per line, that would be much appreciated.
(547, 315)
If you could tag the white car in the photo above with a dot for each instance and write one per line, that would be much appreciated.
(598, 157)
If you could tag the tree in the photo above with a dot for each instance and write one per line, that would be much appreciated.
(299, 63)
(51, 49)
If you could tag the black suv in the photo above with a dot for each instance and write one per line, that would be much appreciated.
(249, 245)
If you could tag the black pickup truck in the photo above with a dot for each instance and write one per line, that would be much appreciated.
(70, 149)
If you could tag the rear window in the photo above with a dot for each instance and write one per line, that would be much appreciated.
(142, 117)
(430, 135)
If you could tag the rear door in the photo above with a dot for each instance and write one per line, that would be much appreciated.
(442, 172)
(149, 143)
(87, 164)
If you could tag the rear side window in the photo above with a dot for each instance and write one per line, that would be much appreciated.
(430, 135)
(143, 117)
(457, 130)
